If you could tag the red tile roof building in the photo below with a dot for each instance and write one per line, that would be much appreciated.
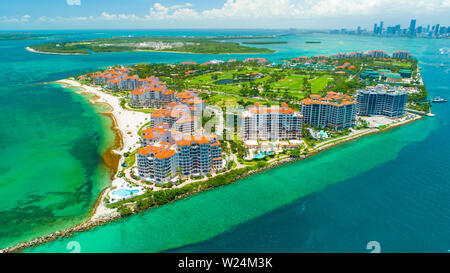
(335, 111)
(191, 156)
(199, 155)
(157, 162)
(271, 123)
(377, 54)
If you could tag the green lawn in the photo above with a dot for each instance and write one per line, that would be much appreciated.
(229, 100)
(319, 84)
(290, 82)
(293, 83)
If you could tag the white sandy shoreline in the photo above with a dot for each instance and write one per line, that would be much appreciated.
(145, 50)
(54, 53)
(128, 123)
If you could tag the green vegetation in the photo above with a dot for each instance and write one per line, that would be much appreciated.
(419, 101)
(143, 127)
(295, 153)
(237, 147)
(130, 158)
(244, 83)
(264, 42)
(27, 36)
(160, 197)
(167, 44)
(61, 47)
(319, 84)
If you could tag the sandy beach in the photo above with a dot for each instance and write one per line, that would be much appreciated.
(128, 122)
(141, 50)
(35, 51)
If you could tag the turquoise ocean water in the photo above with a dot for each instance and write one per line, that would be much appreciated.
(391, 187)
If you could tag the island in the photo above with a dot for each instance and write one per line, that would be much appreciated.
(201, 45)
(188, 127)
(30, 36)
(264, 42)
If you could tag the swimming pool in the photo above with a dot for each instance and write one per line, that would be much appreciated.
(124, 192)
(262, 155)
(259, 156)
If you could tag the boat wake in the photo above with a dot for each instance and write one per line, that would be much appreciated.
(444, 51)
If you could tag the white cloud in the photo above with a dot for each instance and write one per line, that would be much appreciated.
(14, 19)
(6, 19)
(300, 9)
(25, 18)
(240, 9)
(270, 13)
(112, 17)
(73, 2)
(160, 12)
(185, 5)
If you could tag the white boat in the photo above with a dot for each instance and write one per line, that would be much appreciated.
(438, 99)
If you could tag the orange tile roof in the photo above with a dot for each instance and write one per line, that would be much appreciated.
(145, 150)
(187, 141)
(187, 119)
(165, 154)
(332, 98)
(148, 136)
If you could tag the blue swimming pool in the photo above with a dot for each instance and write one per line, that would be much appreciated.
(262, 155)
(124, 192)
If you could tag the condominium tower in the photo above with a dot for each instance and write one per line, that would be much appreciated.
(335, 111)
(382, 100)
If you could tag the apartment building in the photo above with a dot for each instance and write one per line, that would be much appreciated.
(199, 155)
(382, 100)
(402, 54)
(191, 156)
(271, 123)
(157, 162)
(335, 111)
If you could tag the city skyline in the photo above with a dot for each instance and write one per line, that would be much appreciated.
(144, 14)
(412, 30)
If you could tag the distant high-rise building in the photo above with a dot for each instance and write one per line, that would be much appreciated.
(402, 54)
(390, 30)
(419, 29)
(436, 30)
(413, 30)
(412, 27)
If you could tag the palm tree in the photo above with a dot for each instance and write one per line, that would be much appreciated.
(305, 152)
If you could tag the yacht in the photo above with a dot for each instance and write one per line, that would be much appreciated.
(439, 99)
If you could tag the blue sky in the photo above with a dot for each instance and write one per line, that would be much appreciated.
(308, 14)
